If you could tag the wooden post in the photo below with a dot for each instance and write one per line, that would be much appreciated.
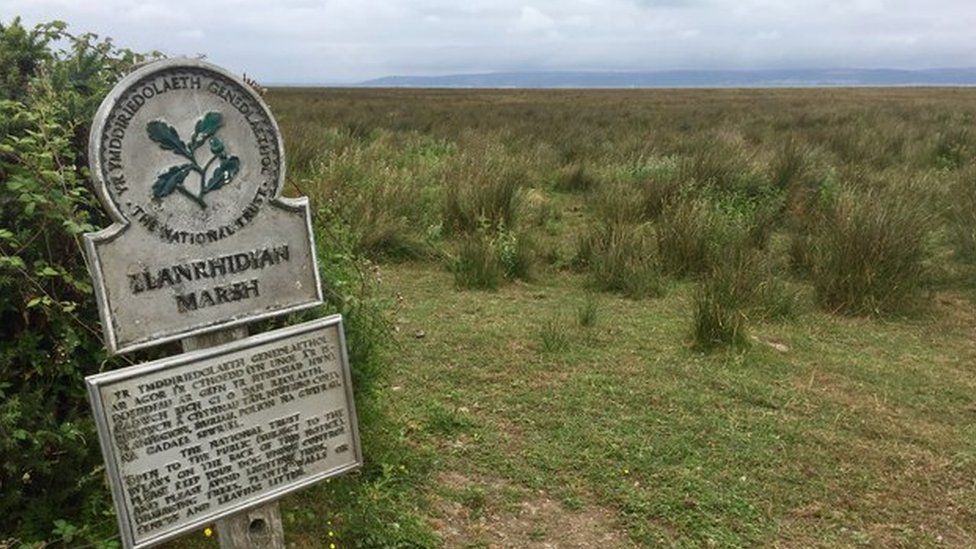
(258, 528)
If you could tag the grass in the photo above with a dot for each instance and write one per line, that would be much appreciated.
(962, 215)
(516, 424)
(857, 433)
(477, 265)
(721, 300)
(620, 257)
(687, 237)
(871, 252)
(588, 312)
(554, 336)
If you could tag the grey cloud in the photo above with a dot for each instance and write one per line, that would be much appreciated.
(316, 41)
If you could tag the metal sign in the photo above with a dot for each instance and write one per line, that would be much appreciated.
(189, 162)
(199, 436)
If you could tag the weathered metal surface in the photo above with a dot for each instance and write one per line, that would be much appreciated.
(257, 528)
(201, 436)
(189, 163)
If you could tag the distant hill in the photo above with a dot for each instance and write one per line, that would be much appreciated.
(687, 79)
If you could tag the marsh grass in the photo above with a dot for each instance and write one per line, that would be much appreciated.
(380, 218)
(482, 190)
(620, 257)
(720, 305)
(658, 189)
(871, 251)
(470, 204)
(488, 257)
(715, 162)
(952, 148)
(962, 215)
(616, 204)
(477, 265)
(379, 185)
(774, 298)
(587, 312)
(739, 289)
(575, 178)
(687, 235)
(554, 335)
(733, 150)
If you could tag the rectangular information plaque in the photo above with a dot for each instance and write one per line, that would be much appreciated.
(196, 437)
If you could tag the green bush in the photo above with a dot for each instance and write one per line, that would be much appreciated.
(870, 251)
(49, 475)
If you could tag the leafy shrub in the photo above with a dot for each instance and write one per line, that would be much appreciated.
(350, 283)
(870, 252)
(48, 320)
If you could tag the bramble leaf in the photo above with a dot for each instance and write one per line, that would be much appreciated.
(224, 173)
(205, 128)
(217, 147)
(167, 181)
(167, 137)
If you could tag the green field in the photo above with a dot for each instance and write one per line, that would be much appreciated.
(550, 384)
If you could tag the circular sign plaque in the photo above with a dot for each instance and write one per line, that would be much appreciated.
(189, 162)
(187, 150)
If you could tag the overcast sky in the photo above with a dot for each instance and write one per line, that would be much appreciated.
(331, 41)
